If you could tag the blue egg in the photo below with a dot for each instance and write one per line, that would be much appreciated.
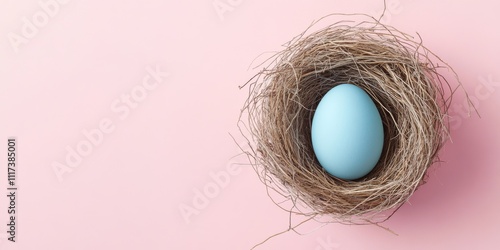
(347, 132)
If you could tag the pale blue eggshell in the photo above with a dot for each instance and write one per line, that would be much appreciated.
(347, 132)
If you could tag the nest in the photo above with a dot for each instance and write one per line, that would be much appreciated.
(400, 75)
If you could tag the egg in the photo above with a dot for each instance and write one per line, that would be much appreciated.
(347, 132)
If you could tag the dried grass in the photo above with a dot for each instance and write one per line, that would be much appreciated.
(401, 76)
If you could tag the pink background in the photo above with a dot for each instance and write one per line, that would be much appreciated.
(126, 193)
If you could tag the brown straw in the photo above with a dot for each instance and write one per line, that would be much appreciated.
(403, 81)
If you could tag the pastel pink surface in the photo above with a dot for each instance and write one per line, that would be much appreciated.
(175, 142)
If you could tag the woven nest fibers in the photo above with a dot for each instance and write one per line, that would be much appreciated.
(403, 82)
